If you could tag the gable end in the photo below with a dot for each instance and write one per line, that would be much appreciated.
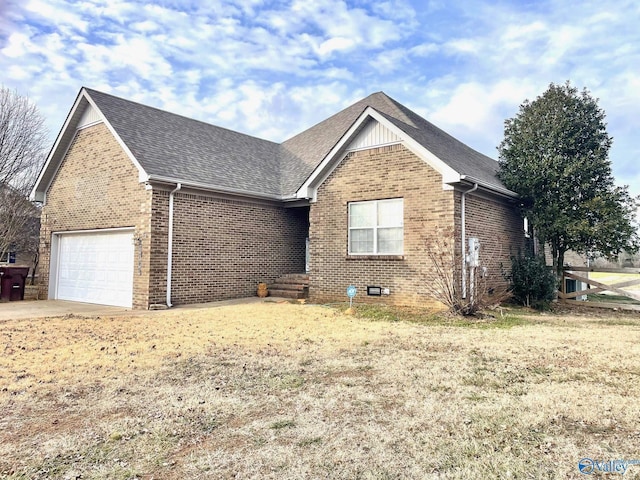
(91, 116)
(84, 113)
(362, 132)
(373, 134)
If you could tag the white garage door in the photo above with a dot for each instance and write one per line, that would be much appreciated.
(96, 268)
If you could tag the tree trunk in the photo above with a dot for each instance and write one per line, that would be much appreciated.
(560, 266)
(36, 261)
(554, 257)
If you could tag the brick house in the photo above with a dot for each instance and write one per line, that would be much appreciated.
(145, 208)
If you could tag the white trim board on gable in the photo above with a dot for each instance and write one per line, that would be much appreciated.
(91, 116)
(372, 135)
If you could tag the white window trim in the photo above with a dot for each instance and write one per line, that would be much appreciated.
(5, 257)
(375, 229)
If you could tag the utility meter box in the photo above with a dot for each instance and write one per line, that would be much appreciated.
(473, 257)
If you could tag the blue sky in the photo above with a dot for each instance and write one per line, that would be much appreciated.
(274, 68)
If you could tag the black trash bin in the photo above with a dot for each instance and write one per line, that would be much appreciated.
(12, 282)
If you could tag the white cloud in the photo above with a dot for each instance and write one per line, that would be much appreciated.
(474, 112)
(17, 45)
(424, 49)
(463, 45)
(146, 26)
(65, 18)
(390, 60)
(335, 44)
(119, 11)
(274, 68)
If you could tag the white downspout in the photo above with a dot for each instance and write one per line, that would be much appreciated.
(170, 244)
(464, 239)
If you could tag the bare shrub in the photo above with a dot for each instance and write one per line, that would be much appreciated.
(23, 139)
(446, 274)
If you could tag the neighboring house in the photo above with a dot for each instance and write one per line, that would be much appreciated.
(19, 229)
(8, 258)
(145, 208)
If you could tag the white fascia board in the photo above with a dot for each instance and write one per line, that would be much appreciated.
(322, 171)
(38, 194)
(307, 190)
(494, 188)
(143, 176)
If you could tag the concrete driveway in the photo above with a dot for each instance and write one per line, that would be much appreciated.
(60, 308)
(54, 308)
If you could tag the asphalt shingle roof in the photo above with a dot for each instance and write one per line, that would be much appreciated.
(177, 147)
(173, 146)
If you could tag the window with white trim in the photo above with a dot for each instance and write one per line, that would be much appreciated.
(376, 227)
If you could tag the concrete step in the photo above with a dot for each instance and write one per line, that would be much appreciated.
(288, 286)
(286, 294)
(293, 278)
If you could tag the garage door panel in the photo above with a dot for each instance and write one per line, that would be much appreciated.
(96, 268)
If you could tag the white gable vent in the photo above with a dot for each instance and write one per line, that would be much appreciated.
(90, 117)
(373, 135)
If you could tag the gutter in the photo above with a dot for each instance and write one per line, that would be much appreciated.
(215, 188)
(463, 238)
(499, 190)
(170, 243)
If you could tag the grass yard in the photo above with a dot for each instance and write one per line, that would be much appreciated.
(611, 278)
(296, 392)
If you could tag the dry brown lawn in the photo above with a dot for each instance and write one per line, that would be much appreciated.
(296, 391)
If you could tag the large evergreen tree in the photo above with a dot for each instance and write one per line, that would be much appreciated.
(555, 155)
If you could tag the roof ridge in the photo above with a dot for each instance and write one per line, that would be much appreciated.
(167, 112)
(172, 146)
(396, 106)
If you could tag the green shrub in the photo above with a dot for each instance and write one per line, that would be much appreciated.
(533, 283)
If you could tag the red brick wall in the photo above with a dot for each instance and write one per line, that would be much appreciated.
(222, 248)
(158, 247)
(379, 173)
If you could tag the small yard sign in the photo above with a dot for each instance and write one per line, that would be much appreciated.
(351, 292)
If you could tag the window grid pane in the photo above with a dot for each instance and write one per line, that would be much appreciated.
(390, 240)
(362, 240)
(376, 227)
(390, 213)
(361, 215)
